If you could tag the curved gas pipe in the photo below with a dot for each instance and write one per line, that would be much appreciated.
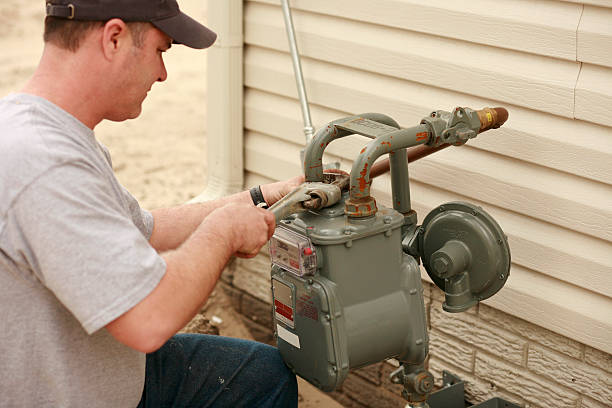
(360, 202)
(313, 156)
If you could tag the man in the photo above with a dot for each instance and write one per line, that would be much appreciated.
(89, 282)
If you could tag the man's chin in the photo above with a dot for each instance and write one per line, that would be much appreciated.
(122, 116)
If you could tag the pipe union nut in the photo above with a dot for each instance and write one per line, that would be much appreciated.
(360, 207)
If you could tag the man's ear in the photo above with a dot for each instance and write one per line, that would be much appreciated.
(115, 36)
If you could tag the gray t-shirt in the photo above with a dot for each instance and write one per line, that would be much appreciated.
(74, 255)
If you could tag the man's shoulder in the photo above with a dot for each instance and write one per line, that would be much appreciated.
(33, 131)
(35, 138)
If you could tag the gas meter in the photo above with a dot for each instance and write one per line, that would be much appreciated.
(346, 280)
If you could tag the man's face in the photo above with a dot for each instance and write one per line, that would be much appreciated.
(139, 69)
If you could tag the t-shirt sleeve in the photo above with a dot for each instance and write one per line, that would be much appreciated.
(143, 219)
(72, 229)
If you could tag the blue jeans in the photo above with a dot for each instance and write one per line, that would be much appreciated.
(198, 370)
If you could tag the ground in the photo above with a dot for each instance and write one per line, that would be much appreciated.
(161, 156)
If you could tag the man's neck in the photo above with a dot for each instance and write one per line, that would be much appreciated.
(63, 78)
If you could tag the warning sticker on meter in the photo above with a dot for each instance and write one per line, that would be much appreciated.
(283, 303)
(283, 312)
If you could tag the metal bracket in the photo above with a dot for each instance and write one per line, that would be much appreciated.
(411, 242)
(452, 395)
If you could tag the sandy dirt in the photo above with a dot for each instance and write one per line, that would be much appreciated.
(160, 156)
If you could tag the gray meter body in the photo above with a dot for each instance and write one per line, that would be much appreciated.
(322, 328)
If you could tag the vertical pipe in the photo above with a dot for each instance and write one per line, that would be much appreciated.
(400, 183)
(225, 101)
(297, 69)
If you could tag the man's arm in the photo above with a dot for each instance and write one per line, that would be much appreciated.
(192, 271)
(173, 226)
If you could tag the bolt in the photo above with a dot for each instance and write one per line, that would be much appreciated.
(440, 266)
(424, 383)
(387, 219)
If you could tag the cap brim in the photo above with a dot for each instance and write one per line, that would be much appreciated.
(185, 30)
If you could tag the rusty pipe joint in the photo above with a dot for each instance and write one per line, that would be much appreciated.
(360, 207)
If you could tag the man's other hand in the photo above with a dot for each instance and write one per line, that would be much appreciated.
(247, 228)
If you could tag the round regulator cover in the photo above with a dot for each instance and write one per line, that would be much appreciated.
(485, 254)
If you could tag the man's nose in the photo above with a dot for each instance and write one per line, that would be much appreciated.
(164, 73)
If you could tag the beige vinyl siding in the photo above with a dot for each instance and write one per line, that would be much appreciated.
(546, 176)
(603, 3)
(595, 36)
(594, 94)
(544, 28)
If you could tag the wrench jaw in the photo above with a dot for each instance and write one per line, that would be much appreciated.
(308, 196)
(322, 195)
(291, 203)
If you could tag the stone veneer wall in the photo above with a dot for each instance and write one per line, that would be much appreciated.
(496, 354)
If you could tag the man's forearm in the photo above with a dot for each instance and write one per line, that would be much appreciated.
(172, 226)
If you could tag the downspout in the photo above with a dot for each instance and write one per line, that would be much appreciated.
(225, 128)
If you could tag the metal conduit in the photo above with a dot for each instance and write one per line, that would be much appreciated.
(297, 69)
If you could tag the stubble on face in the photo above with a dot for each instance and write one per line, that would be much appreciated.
(141, 68)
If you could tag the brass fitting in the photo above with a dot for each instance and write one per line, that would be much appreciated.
(491, 118)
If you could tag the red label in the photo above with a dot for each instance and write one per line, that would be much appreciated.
(283, 310)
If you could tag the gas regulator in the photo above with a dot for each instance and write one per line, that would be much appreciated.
(345, 275)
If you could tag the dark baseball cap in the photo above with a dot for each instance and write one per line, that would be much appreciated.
(163, 14)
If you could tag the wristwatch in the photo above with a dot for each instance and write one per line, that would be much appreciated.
(258, 198)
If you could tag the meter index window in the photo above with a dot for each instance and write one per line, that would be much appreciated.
(292, 252)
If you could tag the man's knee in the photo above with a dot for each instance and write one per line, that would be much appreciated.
(280, 380)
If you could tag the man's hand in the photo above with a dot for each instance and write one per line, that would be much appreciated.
(275, 191)
(245, 227)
